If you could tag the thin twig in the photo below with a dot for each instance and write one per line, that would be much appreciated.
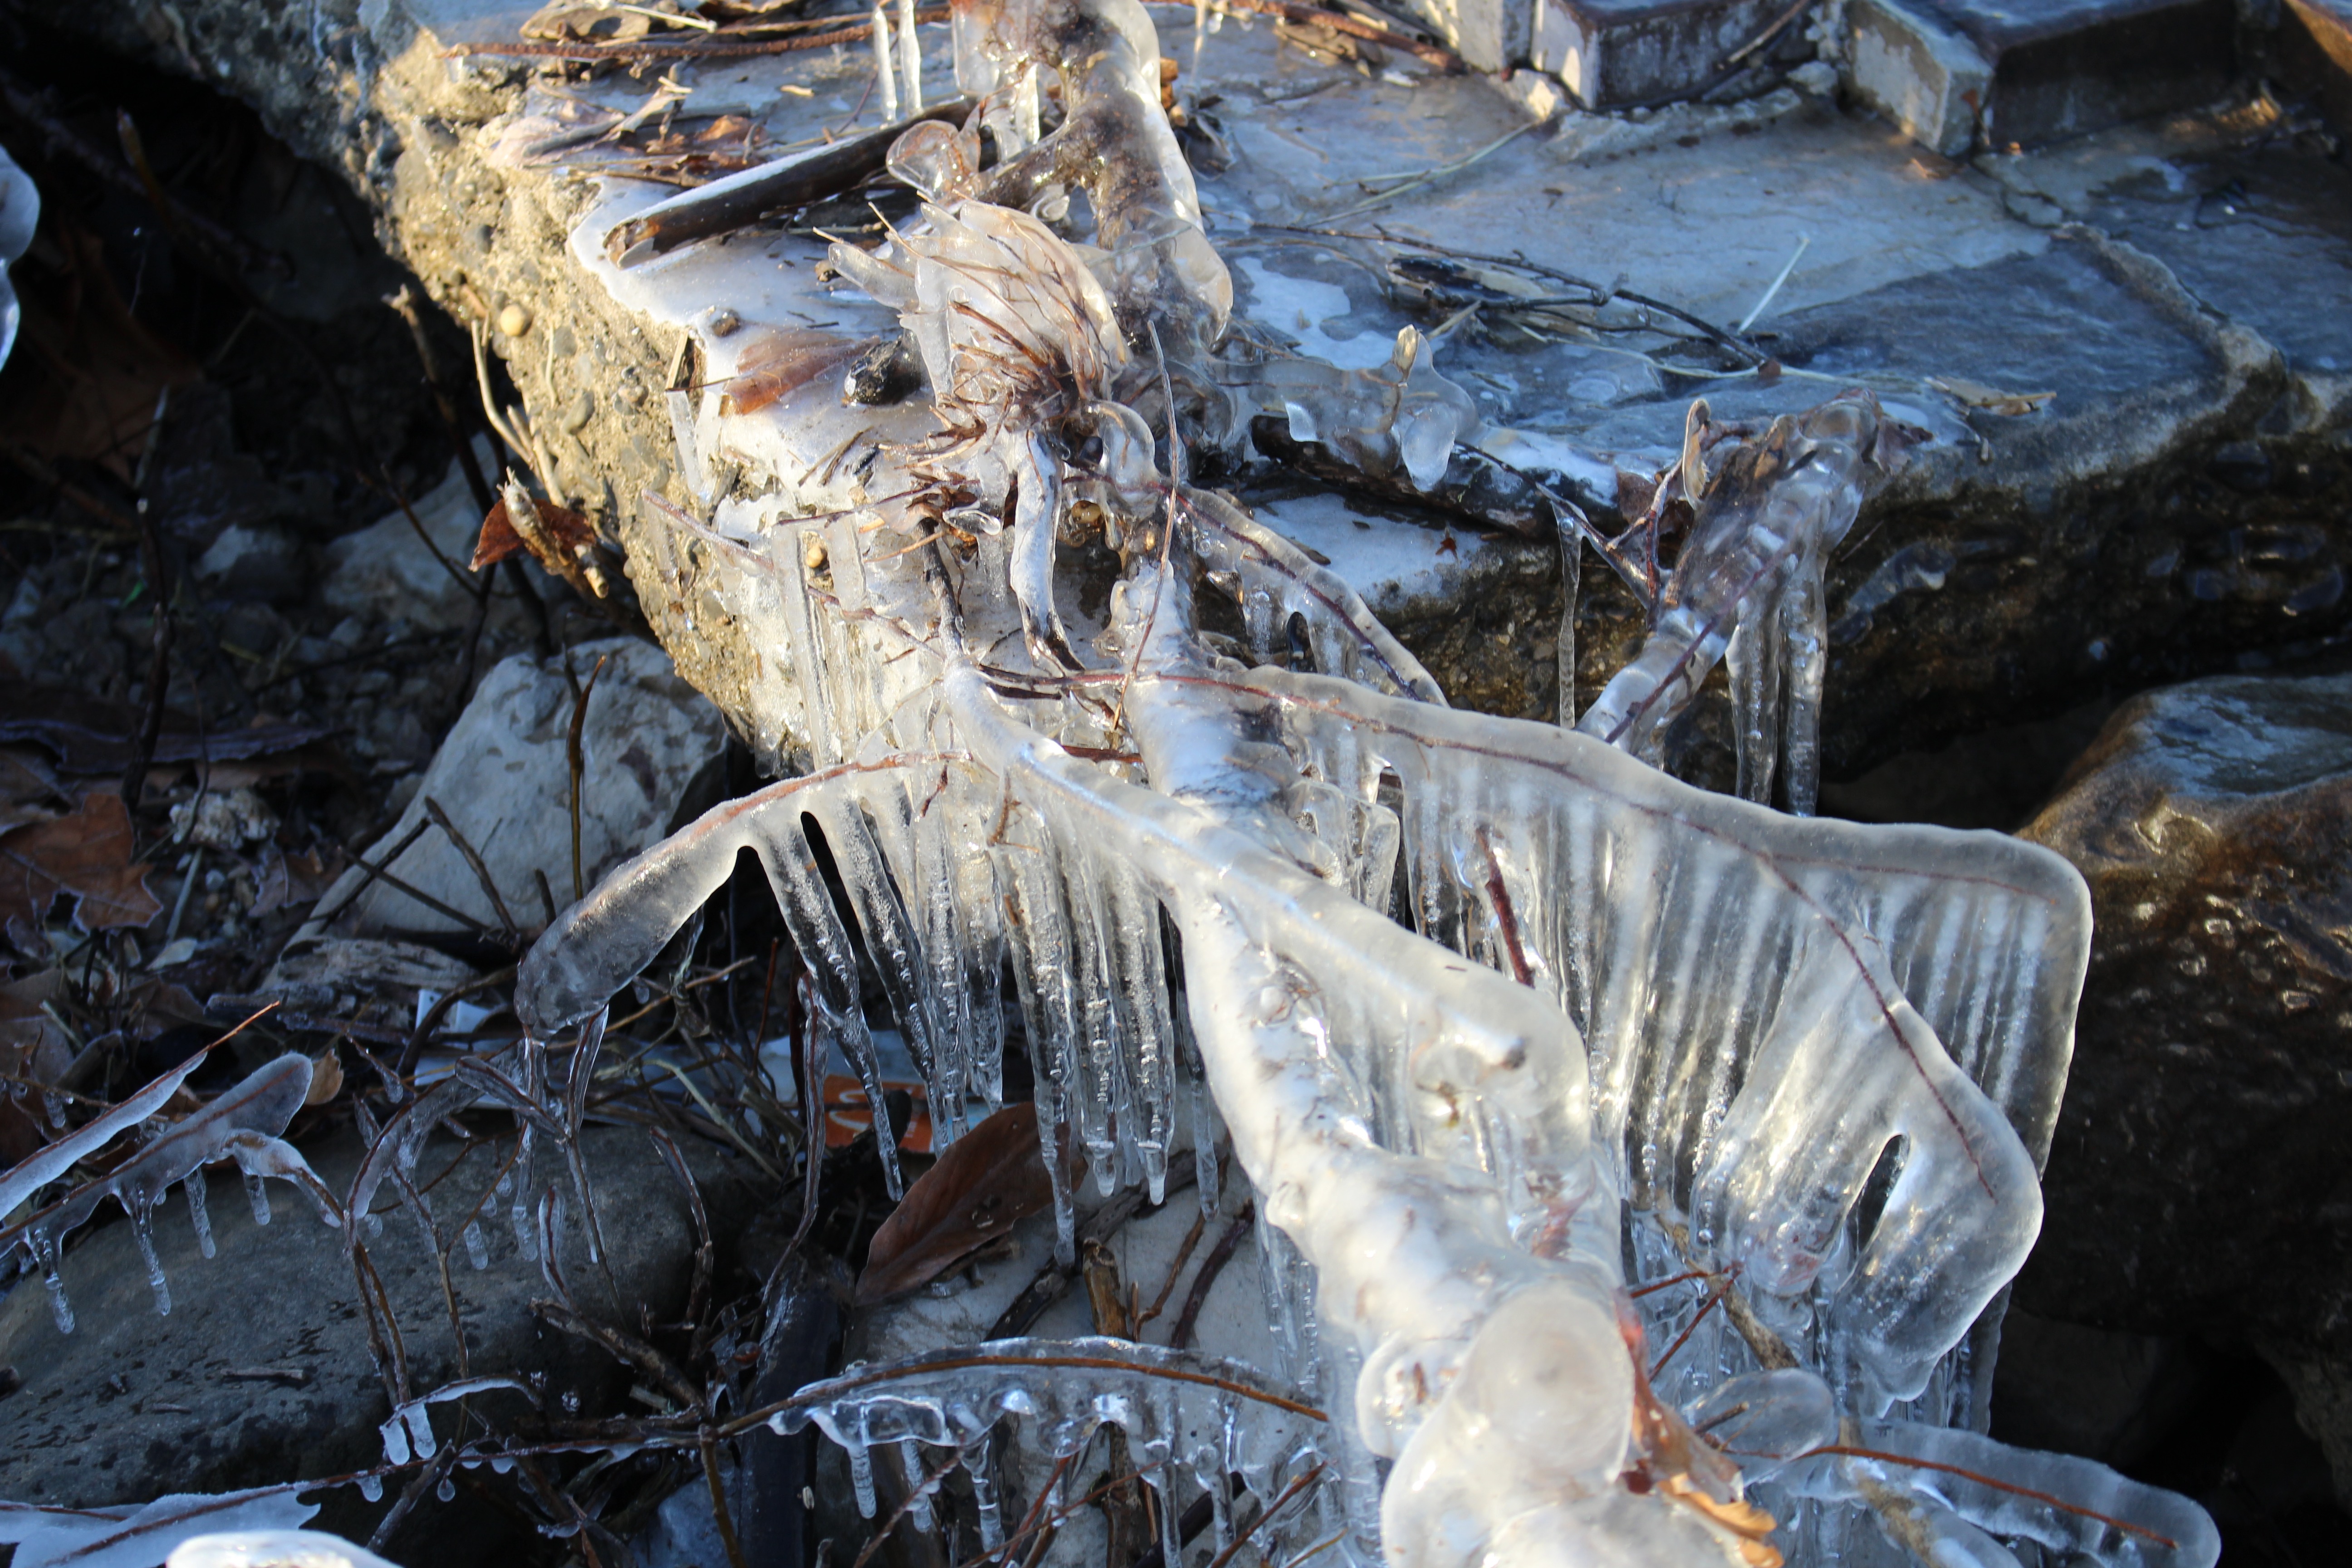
(572, 754)
(481, 872)
(1211, 1267)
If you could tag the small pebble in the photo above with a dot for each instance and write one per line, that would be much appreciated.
(514, 320)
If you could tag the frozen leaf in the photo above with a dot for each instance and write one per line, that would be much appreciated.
(990, 1178)
(86, 857)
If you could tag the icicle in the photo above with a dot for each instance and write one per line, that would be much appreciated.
(886, 74)
(142, 1228)
(910, 56)
(420, 1429)
(44, 1253)
(477, 1246)
(991, 1519)
(371, 1487)
(1571, 582)
(918, 1499)
(519, 1215)
(861, 1478)
(199, 1215)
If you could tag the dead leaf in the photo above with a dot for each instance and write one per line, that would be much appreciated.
(570, 21)
(988, 1180)
(326, 1079)
(87, 857)
(1973, 395)
(779, 359)
(499, 540)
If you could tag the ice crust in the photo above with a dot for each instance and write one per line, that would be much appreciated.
(1585, 1110)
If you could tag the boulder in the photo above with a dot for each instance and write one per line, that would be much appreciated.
(2200, 1180)
(261, 1373)
(504, 779)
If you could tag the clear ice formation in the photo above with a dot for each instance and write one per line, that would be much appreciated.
(242, 1124)
(1194, 1426)
(143, 1536)
(1747, 589)
(1640, 1169)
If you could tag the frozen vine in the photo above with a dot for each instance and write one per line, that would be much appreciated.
(1768, 1091)
(1641, 1167)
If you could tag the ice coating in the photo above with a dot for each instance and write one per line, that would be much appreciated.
(1749, 588)
(241, 1124)
(1193, 1424)
(1652, 1110)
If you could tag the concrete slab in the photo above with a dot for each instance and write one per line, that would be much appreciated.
(1617, 52)
(2057, 67)
(2313, 49)
(2165, 344)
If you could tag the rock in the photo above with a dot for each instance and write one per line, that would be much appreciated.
(386, 569)
(1924, 79)
(261, 1373)
(2028, 75)
(2315, 54)
(1616, 52)
(503, 776)
(257, 561)
(2068, 1389)
(2200, 1180)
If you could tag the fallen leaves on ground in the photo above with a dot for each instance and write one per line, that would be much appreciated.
(988, 1180)
(87, 856)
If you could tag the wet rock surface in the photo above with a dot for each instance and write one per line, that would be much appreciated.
(2197, 1179)
(262, 1372)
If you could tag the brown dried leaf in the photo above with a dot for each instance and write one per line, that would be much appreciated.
(499, 540)
(989, 1179)
(87, 856)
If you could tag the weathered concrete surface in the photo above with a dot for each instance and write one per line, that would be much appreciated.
(2202, 1176)
(2119, 536)
(262, 1373)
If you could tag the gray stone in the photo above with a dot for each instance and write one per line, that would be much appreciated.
(2314, 50)
(504, 778)
(1613, 52)
(261, 1373)
(389, 568)
(1925, 79)
(2092, 544)
(2200, 1180)
(2061, 67)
